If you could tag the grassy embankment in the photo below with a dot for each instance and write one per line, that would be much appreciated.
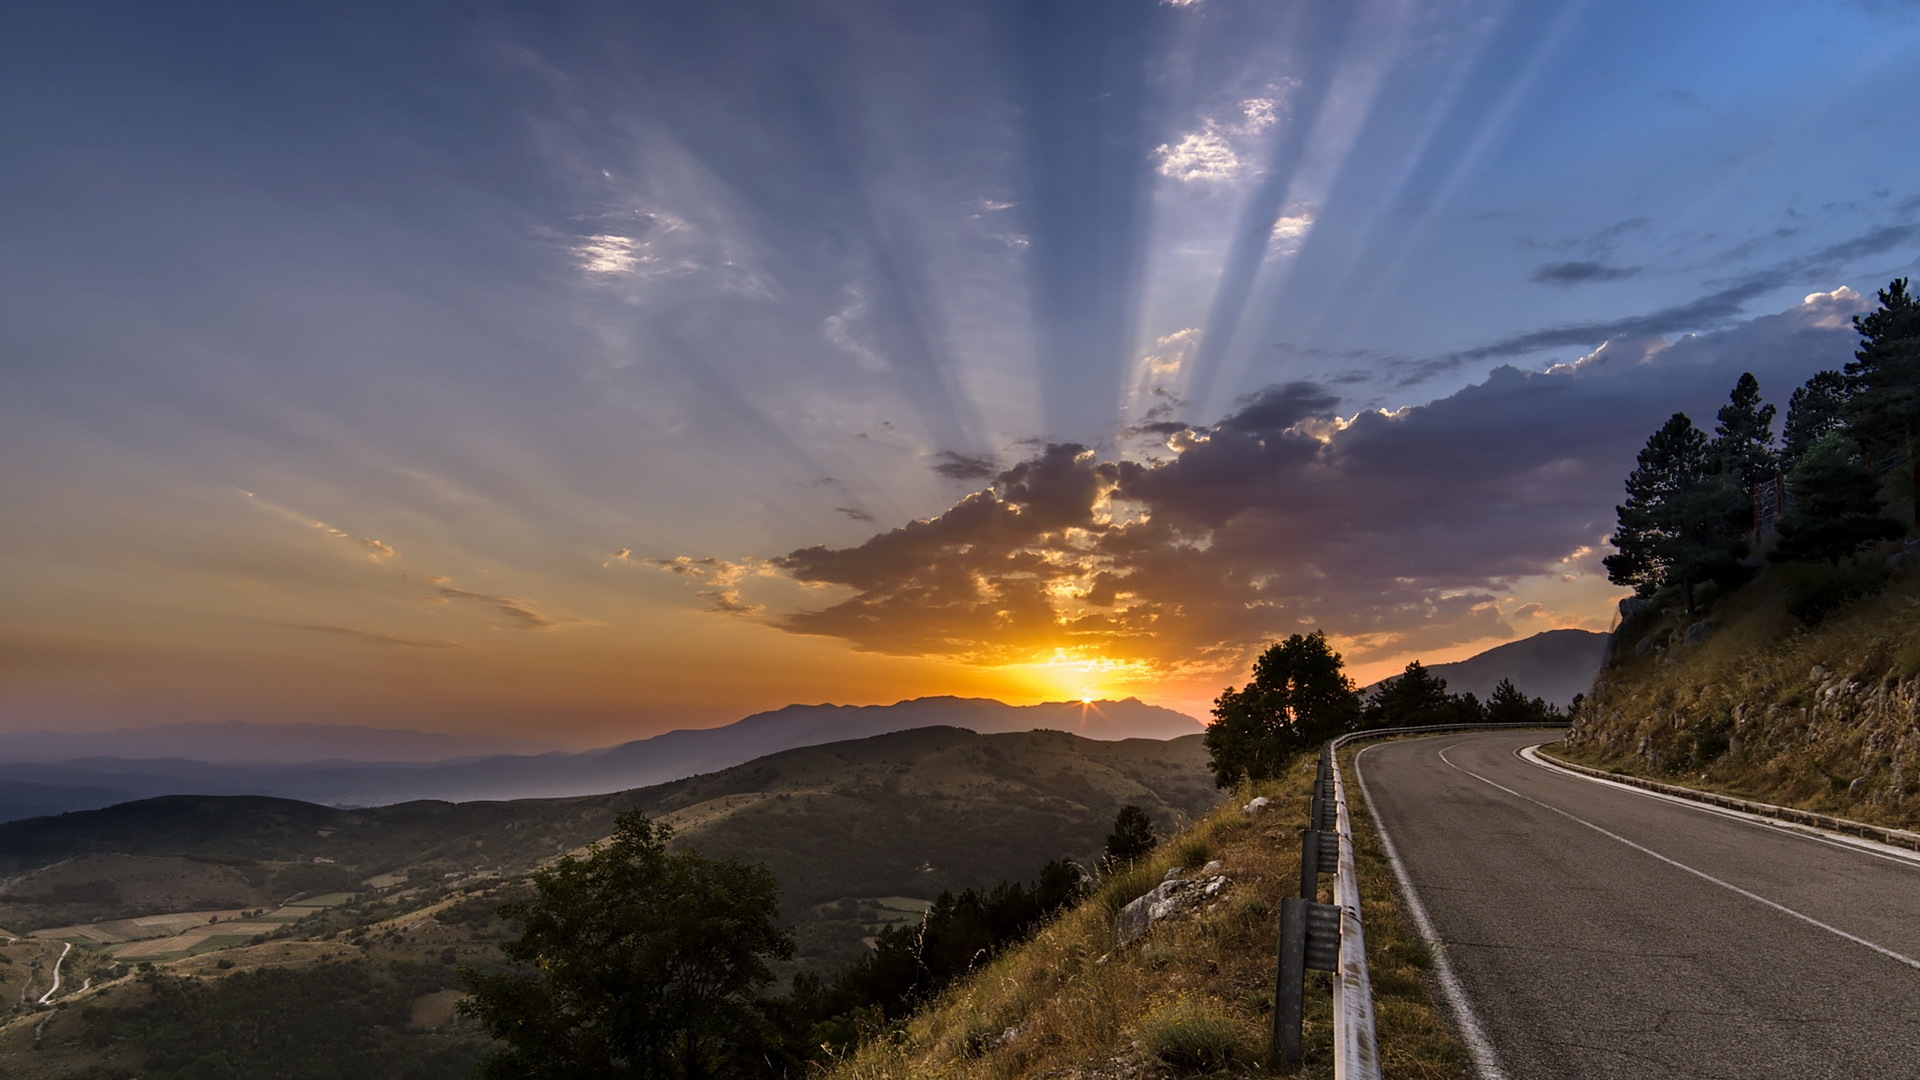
(1782, 703)
(1194, 995)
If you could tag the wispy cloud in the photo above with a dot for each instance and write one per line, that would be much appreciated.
(720, 580)
(957, 466)
(373, 638)
(516, 612)
(1582, 272)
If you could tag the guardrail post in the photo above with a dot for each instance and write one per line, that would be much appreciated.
(1289, 989)
(1309, 863)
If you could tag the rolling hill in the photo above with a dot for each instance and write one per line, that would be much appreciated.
(906, 813)
(40, 787)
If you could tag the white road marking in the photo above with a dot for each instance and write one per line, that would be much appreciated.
(1702, 874)
(1479, 1047)
(1859, 844)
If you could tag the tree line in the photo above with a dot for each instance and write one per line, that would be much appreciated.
(1694, 500)
(1300, 696)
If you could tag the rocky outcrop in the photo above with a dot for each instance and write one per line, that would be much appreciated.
(1839, 741)
(1167, 899)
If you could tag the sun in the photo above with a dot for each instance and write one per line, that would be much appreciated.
(1081, 678)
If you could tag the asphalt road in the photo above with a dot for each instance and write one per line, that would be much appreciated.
(1597, 932)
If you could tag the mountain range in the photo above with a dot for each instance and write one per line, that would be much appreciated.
(35, 787)
(1554, 665)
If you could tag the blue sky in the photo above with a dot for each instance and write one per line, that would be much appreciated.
(348, 346)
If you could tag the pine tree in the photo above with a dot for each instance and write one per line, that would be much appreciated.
(1816, 408)
(1414, 697)
(1684, 523)
(1299, 696)
(1836, 504)
(1884, 412)
(1743, 438)
(1132, 837)
(1508, 705)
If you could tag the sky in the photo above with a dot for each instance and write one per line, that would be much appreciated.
(577, 371)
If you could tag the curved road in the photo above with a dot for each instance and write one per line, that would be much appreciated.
(1598, 932)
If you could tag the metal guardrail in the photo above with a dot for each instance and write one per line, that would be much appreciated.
(1330, 937)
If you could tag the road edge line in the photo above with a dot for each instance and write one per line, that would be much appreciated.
(1479, 1047)
(1709, 802)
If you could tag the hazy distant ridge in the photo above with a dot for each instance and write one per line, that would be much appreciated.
(86, 783)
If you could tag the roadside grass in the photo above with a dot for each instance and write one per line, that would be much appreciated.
(1194, 997)
(1750, 711)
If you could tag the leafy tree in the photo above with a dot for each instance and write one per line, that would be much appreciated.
(1299, 696)
(637, 962)
(1508, 705)
(1816, 408)
(1884, 410)
(1836, 504)
(1415, 697)
(1743, 438)
(1132, 837)
(1684, 522)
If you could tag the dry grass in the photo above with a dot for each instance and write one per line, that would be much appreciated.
(1766, 709)
(1193, 997)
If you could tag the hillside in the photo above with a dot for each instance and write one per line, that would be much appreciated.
(280, 909)
(1767, 699)
(1554, 665)
(1193, 996)
(33, 784)
(908, 813)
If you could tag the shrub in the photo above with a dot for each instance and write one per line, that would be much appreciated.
(1191, 1036)
(1831, 588)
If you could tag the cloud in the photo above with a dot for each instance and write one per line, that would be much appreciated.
(1582, 272)
(958, 466)
(609, 254)
(380, 550)
(1258, 114)
(721, 579)
(855, 513)
(518, 613)
(1398, 532)
(373, 638)
(1202, 157)
(1704, 312)
(1290, 229)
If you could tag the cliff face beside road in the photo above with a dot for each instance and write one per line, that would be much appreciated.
(1762, 704)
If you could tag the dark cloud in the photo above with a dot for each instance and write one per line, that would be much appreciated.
(1582, 272)
(373, 638)
(1398, 531)
(958, 466)
(855, 513)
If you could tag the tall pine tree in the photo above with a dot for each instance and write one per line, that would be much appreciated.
(1743, 438)
(1684, 522)
(1836, 504)
(1884, 411)
(1816, 408)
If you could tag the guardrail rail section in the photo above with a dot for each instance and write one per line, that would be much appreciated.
(1329, 937)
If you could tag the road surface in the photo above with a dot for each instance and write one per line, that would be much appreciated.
(1597, 932)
